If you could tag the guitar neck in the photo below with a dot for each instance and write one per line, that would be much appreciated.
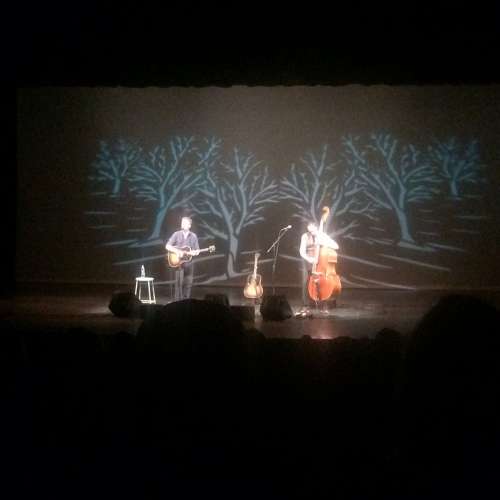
(189, 249)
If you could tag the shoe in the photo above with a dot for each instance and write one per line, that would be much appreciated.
(302, 313)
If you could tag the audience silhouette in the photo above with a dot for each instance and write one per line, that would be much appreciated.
(196, 405)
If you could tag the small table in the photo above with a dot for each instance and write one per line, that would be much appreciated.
(151, 289)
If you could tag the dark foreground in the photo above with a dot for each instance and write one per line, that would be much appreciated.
(195, 404)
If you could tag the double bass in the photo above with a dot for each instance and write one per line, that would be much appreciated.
(324, 280)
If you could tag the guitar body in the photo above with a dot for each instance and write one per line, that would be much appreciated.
(175, 261)
(253, 289)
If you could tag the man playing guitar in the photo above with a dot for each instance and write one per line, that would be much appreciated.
(184, 272)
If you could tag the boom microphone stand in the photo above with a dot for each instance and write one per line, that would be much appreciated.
(276, 246)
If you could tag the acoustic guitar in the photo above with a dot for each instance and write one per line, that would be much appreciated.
(253, 288)
(174, 260)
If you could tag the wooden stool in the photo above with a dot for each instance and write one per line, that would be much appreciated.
(151, 289)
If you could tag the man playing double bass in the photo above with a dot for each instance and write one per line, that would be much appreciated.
(309, 242)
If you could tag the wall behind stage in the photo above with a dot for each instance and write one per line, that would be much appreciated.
(411, 176)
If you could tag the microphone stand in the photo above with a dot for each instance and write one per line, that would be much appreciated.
(276, 246)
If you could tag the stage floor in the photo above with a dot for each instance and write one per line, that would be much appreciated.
(359, 312)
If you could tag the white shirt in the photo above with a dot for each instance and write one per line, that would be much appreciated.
(320, 239)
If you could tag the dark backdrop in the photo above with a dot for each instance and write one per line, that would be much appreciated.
(410, 175)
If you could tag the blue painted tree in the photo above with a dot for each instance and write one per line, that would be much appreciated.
(393, 177)
(114, 163)
(317, 182)
(168, 175)
(456, 164)
(233, 196)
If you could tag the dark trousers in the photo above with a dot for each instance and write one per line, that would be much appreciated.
(306, 272)
(184, 281)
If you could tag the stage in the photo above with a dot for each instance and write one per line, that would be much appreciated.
(359, 312)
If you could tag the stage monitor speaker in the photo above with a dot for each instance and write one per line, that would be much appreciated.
(244, 313)
(217, 298)
(125, 305)
(275, 308)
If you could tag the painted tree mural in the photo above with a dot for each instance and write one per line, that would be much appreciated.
(457, 164)
(393, 177)
(318, 181)
(114, 163)
(385, 197)
(233, 196)
(166, 177)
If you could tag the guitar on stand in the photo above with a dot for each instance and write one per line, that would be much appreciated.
(253, 288)
(175, 259)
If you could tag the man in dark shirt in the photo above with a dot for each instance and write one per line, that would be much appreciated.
(184, 273)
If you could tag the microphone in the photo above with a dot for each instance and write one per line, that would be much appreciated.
(274, 245)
